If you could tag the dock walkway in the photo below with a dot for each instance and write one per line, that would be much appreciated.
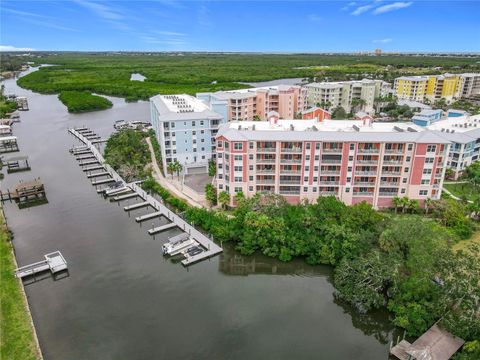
(210, 247)
(54, 262)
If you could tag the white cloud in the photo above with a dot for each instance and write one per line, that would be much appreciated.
(382, 41)
(361, 10)
(315, 18)
(14, 48)
(168, 33)
(101, 10)
(392, 7)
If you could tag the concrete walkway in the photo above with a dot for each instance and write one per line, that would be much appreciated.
(158, 176)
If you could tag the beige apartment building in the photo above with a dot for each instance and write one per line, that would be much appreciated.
(248, 104)
(333, 94)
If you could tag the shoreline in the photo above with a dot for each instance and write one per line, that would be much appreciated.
(37, 351)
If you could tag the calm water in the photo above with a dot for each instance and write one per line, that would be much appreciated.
(123, 300)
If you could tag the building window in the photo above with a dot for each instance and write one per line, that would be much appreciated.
(317, 146)
(350, 158)
(431, 148)
(352, 146)
(404, 180)
(219, 143)
(238, 179)
(250, 157)
(238, 146)
(423, 192)
(429, 160)
(238, 189)
(201, 123)
(238, 168)
(250, 188)
(250, 178)
(305, 178)
(406, 169)
(305, 189)
(238, 157)
(314, 189)
(347, 190)
(410, 147)
(307, 146)
(250, 144)
(250, 168)
(220, 186)
(403, 191)
(427, 171)
(307, 157)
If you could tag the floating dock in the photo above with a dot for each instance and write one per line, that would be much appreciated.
(161, 228)
(148, 216)
(54, 262)
(209, 247)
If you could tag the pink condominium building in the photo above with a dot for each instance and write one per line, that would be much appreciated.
(353, 160)
(287, 100)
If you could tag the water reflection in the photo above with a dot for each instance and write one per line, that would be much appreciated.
(231, 262)
(374, 323)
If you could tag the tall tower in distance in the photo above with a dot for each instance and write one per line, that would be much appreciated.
(378, 52)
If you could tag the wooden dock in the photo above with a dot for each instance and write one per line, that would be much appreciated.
(54, 262)
(16, 164)
(159, 209)
(25, 192)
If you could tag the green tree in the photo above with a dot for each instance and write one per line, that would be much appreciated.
(171, 168)
(339, 113)
(211, 194)
(224, 199)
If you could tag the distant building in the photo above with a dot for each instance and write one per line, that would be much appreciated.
(330, 95)
(247, 104)
(427, 117)
(378, 52)
(185, 127)
(434, 87)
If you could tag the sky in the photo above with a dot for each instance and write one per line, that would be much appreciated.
(256, 26)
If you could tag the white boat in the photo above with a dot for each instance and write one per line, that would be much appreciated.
(177, 248)
(116, 188)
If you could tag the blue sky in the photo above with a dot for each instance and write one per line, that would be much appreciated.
(270, 26)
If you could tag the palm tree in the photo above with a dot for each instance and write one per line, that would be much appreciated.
(397, 202)
(178, 168)
(171, 168)
(413, 205)
(427, 204)
(404, 203)
(224, 199)
(356, 103)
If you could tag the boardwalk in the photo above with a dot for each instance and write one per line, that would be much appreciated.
(159, 209)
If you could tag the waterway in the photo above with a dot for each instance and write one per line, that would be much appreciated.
(123, 300)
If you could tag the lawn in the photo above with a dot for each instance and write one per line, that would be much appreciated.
(463, 189)
(16, 334)
(463, 244)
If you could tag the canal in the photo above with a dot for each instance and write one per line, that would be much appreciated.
(123, 300)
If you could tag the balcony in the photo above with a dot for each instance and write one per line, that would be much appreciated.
(364, 183)
(290, 192)
(266, 150)
(290, 161)
(265, 171)
(361, 172)
(329, 182)
(266, 182)
(387, 193)
(330, 172)
(391, 173)
(331, 161)
(367, 162)
(438, 176)
(299, 171)
(290, 182)
(389, 183)
(394, 151)
(368, 151)
(265, 161)
(291, 150)
(392, 162)
(362, 193)
(333, 151)
(328, 193)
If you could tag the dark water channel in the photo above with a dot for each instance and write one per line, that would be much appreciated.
(123, 300)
